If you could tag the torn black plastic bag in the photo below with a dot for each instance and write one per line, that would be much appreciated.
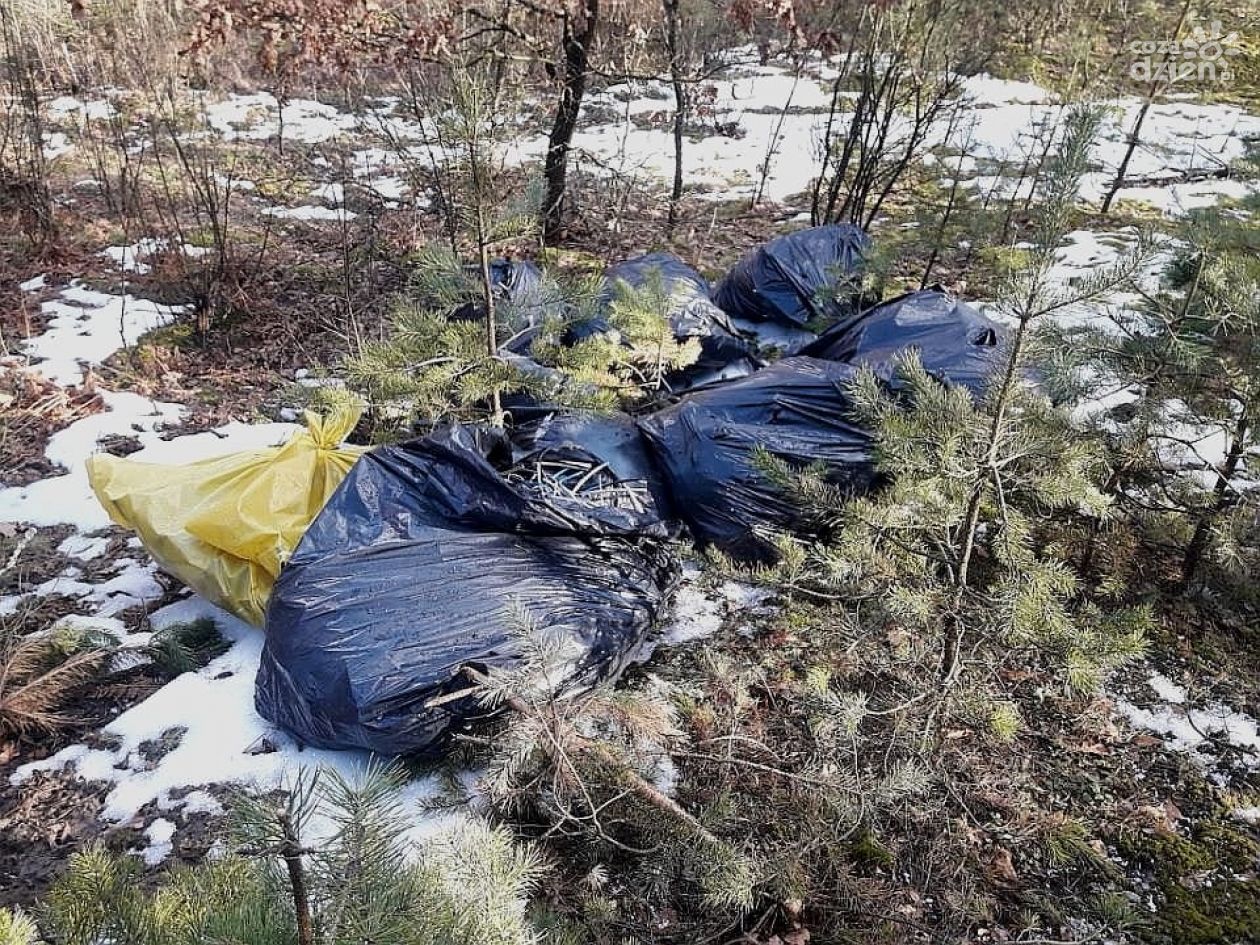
(957, 344)
(797, 278)
(614, 439)
(798, 410)
(429, 558)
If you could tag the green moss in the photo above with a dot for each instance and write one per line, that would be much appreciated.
(868, 854)
(1221, 914)
(574, 260)
(178, 334)
(1206, 883)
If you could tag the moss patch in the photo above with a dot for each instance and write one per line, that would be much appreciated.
(1207, 882)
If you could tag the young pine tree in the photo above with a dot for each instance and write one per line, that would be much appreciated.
(280, 885)
(438, 364)
(1190, 356)
(461, 340)
(964, 545)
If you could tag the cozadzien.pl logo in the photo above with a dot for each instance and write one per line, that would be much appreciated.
(1202, 56)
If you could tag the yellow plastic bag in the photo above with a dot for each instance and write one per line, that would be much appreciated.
(224, 526)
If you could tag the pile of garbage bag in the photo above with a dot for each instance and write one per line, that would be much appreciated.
(550, 543)
(955, 342)
(708, 445)
(799, 278)
(724, 353)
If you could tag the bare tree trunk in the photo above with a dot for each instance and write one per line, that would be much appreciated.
(1221, 500)
(941, 227)
(577, 48)
(291, 852)
(1135, 134)
(492, 327)
(680, 108)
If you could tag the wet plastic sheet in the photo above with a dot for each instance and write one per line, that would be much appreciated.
(798, 278)
(431, 557)
(224, 526)
(706, 445)
(956, 343)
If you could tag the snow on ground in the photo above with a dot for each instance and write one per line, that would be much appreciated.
(1196, 731)
(224, 740)
(761, 118)
(87, 326)
(310, 212)
(700, 611)
(1187, 444)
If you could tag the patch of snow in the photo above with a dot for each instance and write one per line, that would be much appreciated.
(199, 802)
(110, 626)
(696, 614)
(56, 144)
(33, 285)
(1166, 689)
(332, 194)
(83, 547)
(665, 777)
(389, 189)
(1186, 729)
(986, 91)
(87, 326)
(127, 258)
(160, 833)
(309, 213)
(134, 586)
(700, 612)
(1177, 200)
(259, 117)
(225, 741)
(66, 105)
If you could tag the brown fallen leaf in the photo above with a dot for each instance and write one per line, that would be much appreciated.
(1002, 868)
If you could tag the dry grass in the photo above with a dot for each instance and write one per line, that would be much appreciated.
(85, 44)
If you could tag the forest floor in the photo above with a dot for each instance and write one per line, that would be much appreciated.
(99, 352)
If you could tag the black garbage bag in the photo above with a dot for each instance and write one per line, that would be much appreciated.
(614, 439)
(435, 554)
(797, 409)
(956, 343)
(522, 297)
(723, 352)
(693, 314)
(797, 278)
